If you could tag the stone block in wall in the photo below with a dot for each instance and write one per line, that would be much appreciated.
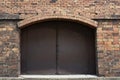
(8, 16)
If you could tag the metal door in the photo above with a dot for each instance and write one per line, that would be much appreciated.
(76, 49)
(58, 47)
(38, 49)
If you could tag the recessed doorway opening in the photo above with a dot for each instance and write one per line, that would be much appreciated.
(58, 47)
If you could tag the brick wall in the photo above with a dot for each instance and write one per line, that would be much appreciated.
(9, 49)
(108, 47)
(105, 12)
(88, 8)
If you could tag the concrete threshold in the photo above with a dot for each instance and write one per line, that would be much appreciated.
(58, 76)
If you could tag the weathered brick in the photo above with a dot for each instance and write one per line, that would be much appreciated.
(105, 12)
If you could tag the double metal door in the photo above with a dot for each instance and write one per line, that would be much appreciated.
(57, 47)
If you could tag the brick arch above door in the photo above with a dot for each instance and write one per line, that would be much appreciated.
(71, 17)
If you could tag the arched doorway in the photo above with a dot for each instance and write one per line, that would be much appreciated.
(58, 47)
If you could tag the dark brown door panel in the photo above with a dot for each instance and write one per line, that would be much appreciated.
(39, 49)
(58, 47)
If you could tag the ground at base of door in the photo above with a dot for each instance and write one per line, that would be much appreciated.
(98, 78)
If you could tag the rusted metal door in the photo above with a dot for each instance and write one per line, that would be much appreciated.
(58, 47)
